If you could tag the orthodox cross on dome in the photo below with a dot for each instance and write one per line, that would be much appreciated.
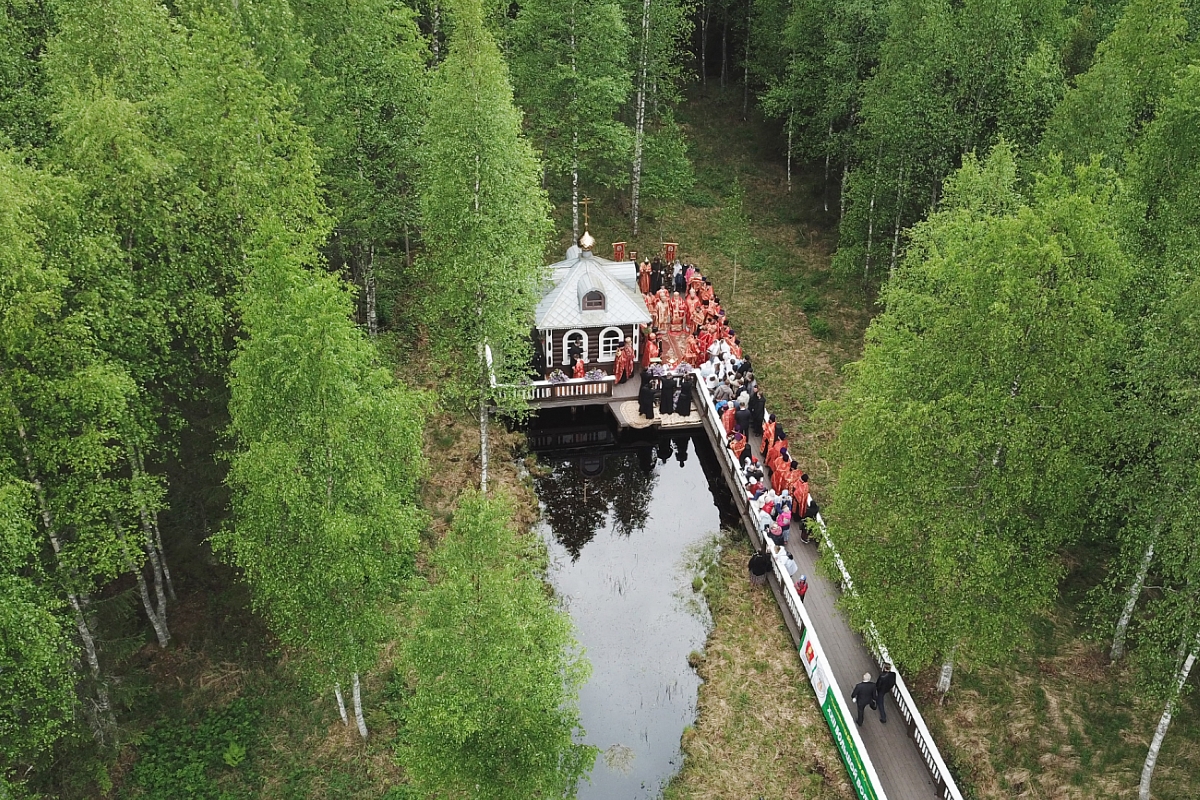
(585, 202)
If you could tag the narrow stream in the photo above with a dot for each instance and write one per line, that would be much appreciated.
(622, 518)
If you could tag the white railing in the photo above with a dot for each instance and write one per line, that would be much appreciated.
(907, 706)
(544, 391)
(915, 723)
(823, 683)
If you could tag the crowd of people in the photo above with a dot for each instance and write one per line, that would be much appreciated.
(684, 307)
(690, 340)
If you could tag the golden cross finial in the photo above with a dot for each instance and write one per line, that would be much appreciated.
(585, 202)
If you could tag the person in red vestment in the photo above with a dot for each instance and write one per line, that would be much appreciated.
(580, 368)
(662, 311)
(799, 489)
(775, 453)
(650, 351)
(644, 277)
(768, 436)
(706, 291)
(678, 312)
(737, 443)
(727, 418)
(623, 368)
(780, 476)
(693, 310)
(693, 354)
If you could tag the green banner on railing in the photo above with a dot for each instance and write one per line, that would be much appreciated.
(831, 709)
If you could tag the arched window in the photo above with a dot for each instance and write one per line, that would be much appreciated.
(593, 301)
(610, 342)
(578, 338)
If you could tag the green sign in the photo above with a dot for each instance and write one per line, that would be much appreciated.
(850, 755)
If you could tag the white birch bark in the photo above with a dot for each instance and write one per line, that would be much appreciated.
(746, 68)
(789, 161)
(358, 712)
(943, 684)
(704, 46)
(149, 544)
(104, 719)
(724, 46)
(483, 444)
(1135, 591)
(871, 223)
(158, 545)
(436, 24)
(828, 154)
(896, 235)
(157, 620)
(842, 196)
(1164, 722)
(369, 286)
(574, 144)
(337, 692)
(639, 125)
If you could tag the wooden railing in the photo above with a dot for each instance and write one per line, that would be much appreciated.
(570, 389)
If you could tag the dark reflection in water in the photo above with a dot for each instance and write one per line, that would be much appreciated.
(620, 517)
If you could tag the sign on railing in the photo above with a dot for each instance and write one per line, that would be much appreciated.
(832, 702)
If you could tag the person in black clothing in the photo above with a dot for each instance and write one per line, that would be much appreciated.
(646, 397)
(683, 406)
(758, 407)
(656, 275)
(741, 418)
(666, 401)
(864, 695)
(883, 687)
(759, 565)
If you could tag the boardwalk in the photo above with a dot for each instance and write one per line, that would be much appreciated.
(897, 761)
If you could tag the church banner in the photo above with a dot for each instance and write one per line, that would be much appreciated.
(618, 251)
(669, 249)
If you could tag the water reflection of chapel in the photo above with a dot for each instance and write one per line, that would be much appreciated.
(590, 302)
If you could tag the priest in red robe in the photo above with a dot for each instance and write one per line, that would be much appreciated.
(644, 277)
(623, 368)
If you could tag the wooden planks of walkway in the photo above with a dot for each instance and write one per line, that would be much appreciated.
(894, 754)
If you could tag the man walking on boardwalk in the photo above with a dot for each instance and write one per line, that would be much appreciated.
(883, 687)
(863, 696)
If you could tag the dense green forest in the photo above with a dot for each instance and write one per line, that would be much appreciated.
(251, 249)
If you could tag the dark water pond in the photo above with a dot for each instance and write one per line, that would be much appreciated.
(624, 519)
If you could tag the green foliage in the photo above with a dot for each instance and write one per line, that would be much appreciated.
(188, 757)
(325, 472)
(485, 217)
(667, 173)
(967, 437)
(571, 75)
(491, 674)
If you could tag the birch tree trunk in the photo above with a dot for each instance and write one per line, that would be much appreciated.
(1165, 721)
(842, 196)
(896, 235)
(724, 46)
(575, 191)
(639, 127)
(369, 286)
(157, 618)
(483, 444)
(337, 692)
(828, 154)
(871, 222)
(104, 721)
(704, 46)
(789, 161)
(1135, 591)
(436, 25)
(160, 554)
(746, 68)
(358, 712)
(943, 684)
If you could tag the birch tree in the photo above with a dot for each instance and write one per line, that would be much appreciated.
(324, 473)
(492, 671)
(36, 685)
(571, 75)
(485, 221)
(967, 431)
